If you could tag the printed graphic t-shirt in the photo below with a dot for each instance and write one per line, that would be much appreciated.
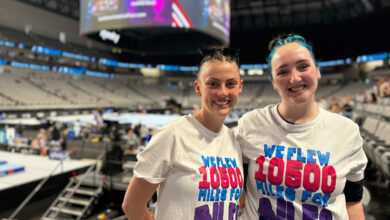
(299, 171)
(199, 171)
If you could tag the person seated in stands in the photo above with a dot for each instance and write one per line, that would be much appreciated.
(64, 142)
(56, 139)
(20, 128)
(384, 87)
(132, 141)
(77, 128)
(42, 141)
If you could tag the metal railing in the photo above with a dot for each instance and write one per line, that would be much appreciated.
(40, 185)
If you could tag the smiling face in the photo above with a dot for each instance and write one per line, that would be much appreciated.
(295, 76)
(219, 84)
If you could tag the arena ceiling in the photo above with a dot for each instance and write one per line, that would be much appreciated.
(337, 28)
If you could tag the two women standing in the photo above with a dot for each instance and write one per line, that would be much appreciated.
(304, 162)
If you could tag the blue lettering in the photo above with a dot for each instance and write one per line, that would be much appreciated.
(222, 163)
(212, 161)
(206, 161)
(218, 191)
(233, 161)
(310, 156)
(202, 193)
(228, 162)
(323, 158)
(231, 194)
(279, 191)
(259, 185)
(290, 152)
(290, 194)
(265, 187)
(317, 198)
(300, 157)
(279, 151)
(223, 194)
(212, 195)
(238, 193)
(218, 161)
(269, 151)
(270, 190)
(305, 195)
(325, 199)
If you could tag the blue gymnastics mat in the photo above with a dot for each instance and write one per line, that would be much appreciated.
(7, 169)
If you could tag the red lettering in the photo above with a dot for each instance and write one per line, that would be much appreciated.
(224, 177)
(204, 184)
(315, 169)
(293, 174)
(326, 172)
(259, 175)
(232, 177)
(214, 178)
(278, 163)
(239, 177)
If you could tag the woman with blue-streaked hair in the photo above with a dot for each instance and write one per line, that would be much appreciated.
(304, 162)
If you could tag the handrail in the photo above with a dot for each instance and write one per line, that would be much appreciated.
(36, 189)
(89, 170)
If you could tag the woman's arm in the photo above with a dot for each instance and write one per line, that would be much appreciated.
(355, 210)
(136, 198)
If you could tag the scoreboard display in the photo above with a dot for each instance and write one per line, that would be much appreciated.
(210, 17)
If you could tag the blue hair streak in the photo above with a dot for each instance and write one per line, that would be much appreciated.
(284, 40)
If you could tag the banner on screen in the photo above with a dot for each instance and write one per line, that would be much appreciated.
(208, 16)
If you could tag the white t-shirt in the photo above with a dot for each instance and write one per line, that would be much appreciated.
(299, 171)
(200, 172)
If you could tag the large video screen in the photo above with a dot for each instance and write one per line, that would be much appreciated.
(208, 16)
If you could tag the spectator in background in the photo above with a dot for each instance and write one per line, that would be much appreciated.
(137, 129)
(77, 128)
(384, 87)
(20, 129)
(42, 141)
(132, 141)
(64, 142)
(55, 133)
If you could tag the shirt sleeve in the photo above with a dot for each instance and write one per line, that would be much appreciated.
(357, 160)
(155, 161)
(353, 191)
(240, 135)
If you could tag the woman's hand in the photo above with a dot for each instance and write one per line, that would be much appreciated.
(136, 198)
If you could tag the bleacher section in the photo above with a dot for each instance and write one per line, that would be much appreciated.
(48, 90)
(22, 92)
(375, 131)
(353, 88)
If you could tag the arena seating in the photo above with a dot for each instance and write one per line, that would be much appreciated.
(375, 131)
(353, 88)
